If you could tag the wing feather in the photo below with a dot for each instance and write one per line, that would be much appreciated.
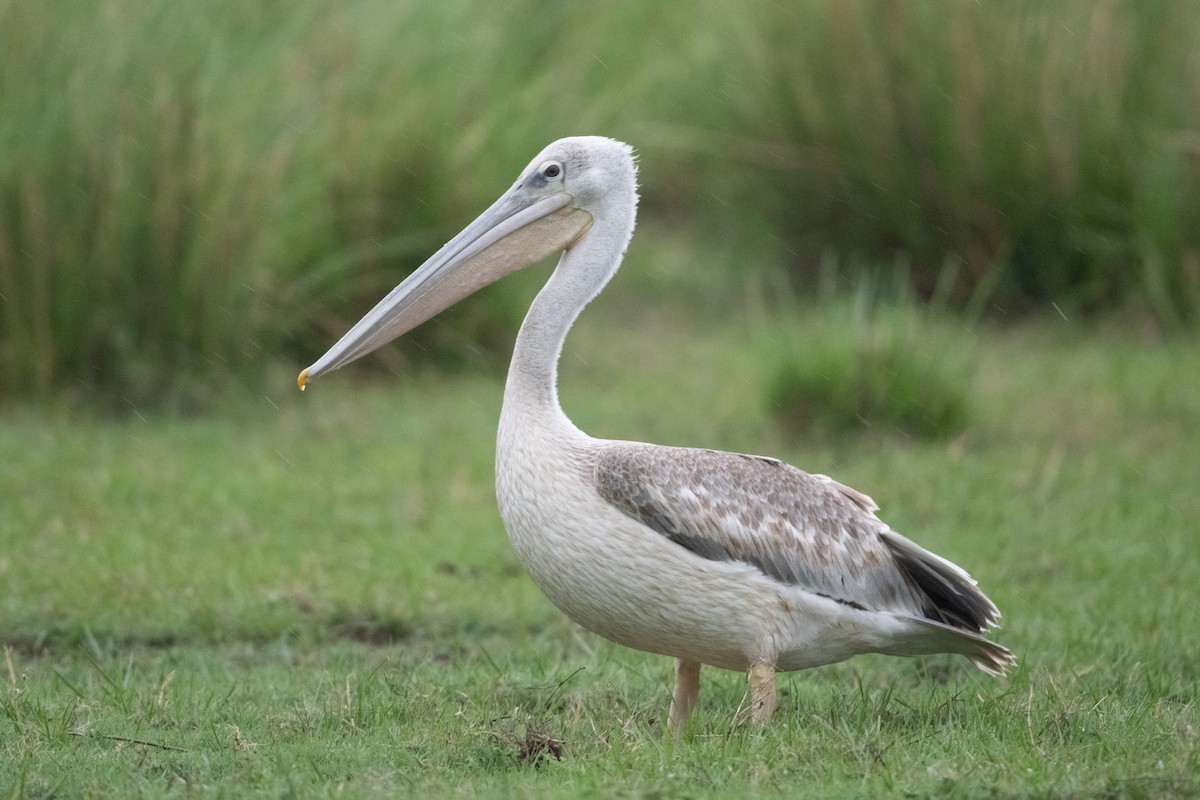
(797, 528)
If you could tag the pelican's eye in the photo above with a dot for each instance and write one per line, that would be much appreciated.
(552, 169)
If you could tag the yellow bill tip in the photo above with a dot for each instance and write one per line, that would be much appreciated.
(302, 379)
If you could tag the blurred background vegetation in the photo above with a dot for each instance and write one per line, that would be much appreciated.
(192, 192)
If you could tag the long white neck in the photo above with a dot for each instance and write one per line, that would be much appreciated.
(531, 393)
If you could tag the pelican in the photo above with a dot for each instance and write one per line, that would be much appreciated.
(736, 561)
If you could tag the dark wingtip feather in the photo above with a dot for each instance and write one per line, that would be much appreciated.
(951, 595)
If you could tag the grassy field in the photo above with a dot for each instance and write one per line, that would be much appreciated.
(313, 595)
(267, 594)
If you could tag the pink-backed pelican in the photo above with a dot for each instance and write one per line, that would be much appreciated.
(737, 561)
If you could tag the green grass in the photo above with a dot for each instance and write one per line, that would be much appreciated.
(183, 190)
(1022, 152)
(187, 190)
(863, 366)
(313, 595)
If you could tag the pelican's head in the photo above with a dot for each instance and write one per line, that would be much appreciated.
(592, 169)
(550, 208)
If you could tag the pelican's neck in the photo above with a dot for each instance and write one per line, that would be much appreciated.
(531, 394)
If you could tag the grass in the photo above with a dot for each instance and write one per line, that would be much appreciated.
(864, 365)
(1023, 152)
(313, 596)
(184, 190)
(187, 191)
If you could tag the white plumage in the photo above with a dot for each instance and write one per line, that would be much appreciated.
(736, 561)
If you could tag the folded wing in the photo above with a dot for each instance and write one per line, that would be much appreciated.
(797, 528)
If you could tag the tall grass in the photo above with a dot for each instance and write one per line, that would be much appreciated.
(187, 191)
(184, 189)
(1020, 151)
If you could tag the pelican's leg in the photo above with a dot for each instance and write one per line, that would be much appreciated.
(762, 692)
(687, 691)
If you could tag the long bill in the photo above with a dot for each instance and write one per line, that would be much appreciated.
(516, 231)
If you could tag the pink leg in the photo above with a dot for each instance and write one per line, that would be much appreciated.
(687, 691)
(762, 692)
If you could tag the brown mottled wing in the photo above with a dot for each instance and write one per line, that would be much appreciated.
(801, 529)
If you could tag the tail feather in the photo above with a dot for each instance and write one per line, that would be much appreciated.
(992, 658)
(956, 611)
